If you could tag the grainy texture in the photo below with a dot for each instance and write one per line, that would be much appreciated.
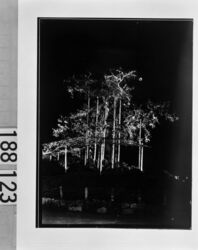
(8, 63)
(8, 104)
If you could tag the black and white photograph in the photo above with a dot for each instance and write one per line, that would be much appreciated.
(114, 123)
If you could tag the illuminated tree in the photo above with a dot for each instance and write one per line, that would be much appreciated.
(141, 120)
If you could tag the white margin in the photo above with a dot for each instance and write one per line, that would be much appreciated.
(31, 238)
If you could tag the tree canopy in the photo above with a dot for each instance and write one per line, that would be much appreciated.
(108, 116)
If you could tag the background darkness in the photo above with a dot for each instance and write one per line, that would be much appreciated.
(160, 51)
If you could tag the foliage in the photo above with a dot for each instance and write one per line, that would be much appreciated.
(147, 118)
(103, 118)
(80, 84)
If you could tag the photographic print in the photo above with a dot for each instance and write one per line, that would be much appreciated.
(114, 123)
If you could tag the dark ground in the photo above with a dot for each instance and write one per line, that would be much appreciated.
(116, 198)
(60, 217)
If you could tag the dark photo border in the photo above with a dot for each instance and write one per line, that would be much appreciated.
(176, 92)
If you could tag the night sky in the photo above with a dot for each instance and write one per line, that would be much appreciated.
(160, 51)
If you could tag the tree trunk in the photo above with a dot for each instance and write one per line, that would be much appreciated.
(142, 150)
(98, 160)
(61, 192)
(112, 195)
(80, 154)
(88, 111)
(113, 134)
(87, 132)
(119, 124)
(65, 158)
(104, 134)
(140, 146)
(95, 145)
(86, 193)
(101, 148)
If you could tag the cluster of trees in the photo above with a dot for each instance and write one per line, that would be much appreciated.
(108, 117)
